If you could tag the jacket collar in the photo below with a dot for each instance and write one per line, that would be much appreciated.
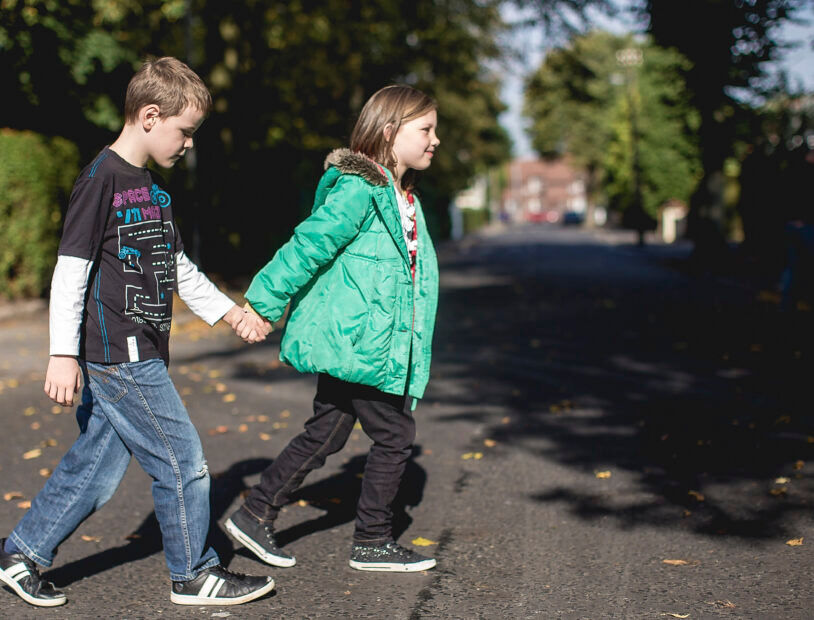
(384, 194)
(350, 162)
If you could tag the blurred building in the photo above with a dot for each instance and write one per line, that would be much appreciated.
(544, 190)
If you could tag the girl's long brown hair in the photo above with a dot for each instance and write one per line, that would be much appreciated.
(391, 105)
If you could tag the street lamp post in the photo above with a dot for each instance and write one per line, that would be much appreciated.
(631, 58)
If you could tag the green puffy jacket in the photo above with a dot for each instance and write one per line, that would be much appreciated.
(355, 313)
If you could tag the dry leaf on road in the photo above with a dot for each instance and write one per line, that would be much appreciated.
(13, 495)
(795, 542)
(87, 538)
(603, 474)
(423, 542)
(676, 562)
(32, 454)
(25, 505)
(698, 496)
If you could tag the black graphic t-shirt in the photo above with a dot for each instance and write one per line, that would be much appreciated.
(120, 218)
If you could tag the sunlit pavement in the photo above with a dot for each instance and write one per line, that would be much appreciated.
(605, 435)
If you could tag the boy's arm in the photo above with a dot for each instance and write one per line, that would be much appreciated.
(68, 287)
(201, 295)
(316, 241)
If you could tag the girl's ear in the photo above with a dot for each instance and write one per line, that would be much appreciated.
(148, 116)
(388, 132)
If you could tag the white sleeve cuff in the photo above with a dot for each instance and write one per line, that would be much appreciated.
(68, 286)
(198, 292)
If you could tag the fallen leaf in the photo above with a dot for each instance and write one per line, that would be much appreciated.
(505, 420)
(214, 374)
(799, 465)
(472, 455)
(347, 591)
(695, 494)
(132, 537)
(229, 398)
(12, 495)
(676, 562)
(302, 503)
(489, 443)
(45, 472)
(35, 426)
(29, 411)
(285, 413)
(186, 391)
(32, 454)
(676, 615)
(13, 383)
(795, 542)
(242, 428)
(264, 436)
(603, 474)
(782, 480)
(220, 387)
(778, 491)
(91, 538)
(48, 443)
(423, 542)
(262, 418)
(56, 409)
(24, 504)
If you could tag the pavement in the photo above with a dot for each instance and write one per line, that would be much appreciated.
(607, 434)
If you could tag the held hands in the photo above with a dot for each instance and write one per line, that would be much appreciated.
(62, 379)
(248, 325)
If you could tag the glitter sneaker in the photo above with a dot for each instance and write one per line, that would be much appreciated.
(258, 538)
(390, 557)
(20, 574)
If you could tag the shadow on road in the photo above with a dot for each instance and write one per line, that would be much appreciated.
(604, 359)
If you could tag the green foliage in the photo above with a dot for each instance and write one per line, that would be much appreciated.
(619, 122)
(36, 176)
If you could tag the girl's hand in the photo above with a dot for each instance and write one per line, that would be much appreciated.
(62, 379)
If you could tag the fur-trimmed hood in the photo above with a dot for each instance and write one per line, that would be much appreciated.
(350, 162)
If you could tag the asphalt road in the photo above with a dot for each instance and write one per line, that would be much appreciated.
(608, 433)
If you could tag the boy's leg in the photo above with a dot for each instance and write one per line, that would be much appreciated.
(326, 432)
(142, 404)
(388, 421)
(85, 478)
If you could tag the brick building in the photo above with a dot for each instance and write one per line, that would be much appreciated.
(541, 190)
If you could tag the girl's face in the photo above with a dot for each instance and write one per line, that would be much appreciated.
(415, 143)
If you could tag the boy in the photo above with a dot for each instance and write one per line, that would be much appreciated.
(120, 258)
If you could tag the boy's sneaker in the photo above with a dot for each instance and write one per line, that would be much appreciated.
(390, 557)
(218, 586)
(258, 538)
(20, 574)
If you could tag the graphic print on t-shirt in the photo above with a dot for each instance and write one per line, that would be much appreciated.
(145, 249)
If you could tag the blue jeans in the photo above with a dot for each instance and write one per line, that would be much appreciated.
(127, 409)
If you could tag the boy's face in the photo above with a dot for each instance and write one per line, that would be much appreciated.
(169, 138)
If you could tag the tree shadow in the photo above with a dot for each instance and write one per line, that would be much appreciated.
(610, 359)
(336, 495)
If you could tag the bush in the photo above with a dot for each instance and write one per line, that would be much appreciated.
(36, 176)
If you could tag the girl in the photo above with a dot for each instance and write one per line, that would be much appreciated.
(362, 278)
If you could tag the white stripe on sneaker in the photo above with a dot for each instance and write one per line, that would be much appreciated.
(18, 571)
(209, 586)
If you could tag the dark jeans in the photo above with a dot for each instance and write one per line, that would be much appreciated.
(385, 418)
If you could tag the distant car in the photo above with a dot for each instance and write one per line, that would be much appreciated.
(572, 218)
(543, 217)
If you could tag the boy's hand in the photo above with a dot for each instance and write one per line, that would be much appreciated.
(62, 379)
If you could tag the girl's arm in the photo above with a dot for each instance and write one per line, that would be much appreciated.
(316, 241)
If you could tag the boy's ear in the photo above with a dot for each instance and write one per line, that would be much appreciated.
(148, 116)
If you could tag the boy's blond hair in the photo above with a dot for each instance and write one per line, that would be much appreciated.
(168, 83)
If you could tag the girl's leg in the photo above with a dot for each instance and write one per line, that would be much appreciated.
(325, 433)
(388, 421)
(142, 404)
(85, 478)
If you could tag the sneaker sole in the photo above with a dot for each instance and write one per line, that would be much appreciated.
(393, 567)
(180, 599)
(38, 602)
(256, 549)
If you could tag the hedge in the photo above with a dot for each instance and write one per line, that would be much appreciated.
(36, 176)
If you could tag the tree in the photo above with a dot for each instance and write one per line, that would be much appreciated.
(727, 43)
(629, 126)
